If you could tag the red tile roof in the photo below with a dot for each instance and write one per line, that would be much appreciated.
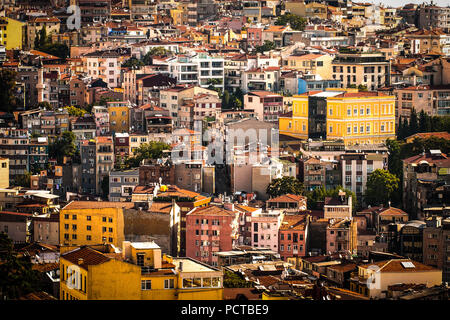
(211, 210)
(288, 198)
(395, 265)
(293, 222)
(90, 257)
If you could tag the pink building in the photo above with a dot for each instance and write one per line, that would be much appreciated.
(245, 223)
(292, 236)
(342, 236)
(101, 116)
(254, 37)
(266, 105)
(210, 229)
(265, 229)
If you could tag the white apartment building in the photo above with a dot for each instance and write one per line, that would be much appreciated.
(198, 69)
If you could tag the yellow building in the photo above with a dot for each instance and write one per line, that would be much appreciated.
(139, 272)
(177, 16)
(355, 117)
(12, 33)
(119, 116)
(34, 26)
(89, 223)
(4, 173)
(295, 123)
(361, 117)
(318, 64)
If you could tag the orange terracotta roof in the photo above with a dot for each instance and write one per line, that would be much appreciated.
(97, 205)
(211, 210)
(288, 198)
(425, 135)
(161, 207)
(393, 211)
(293, 222)
(246, 208)
(395, 265)
(90, 257)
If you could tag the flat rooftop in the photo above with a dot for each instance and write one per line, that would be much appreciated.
(192, 266)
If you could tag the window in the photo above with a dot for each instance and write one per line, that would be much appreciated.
(110, 229)
(146, 284)
(74, 217)
(169, 284)
(104, 229)
(88, 238)
(66, 226)
(110, 219)
(88, 218)
(104, 219)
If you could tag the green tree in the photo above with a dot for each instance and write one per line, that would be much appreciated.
(413, 122)
(380, 188)
(8, 101)
(43, 40)
(63, 146)
(151, 150)
(17, 277)
(233, 280)
(74, 111)
(319, 195)
(59, 50)
(424, 122)
(406, 129)
(132, 63)
(296, 22)
(267, 46)
(226, 100)
(157, 51)
(395, 165)
(284, 185)
(23, 180)
(362, 87)
(36, 41)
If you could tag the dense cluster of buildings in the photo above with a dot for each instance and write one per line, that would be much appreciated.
(237, 101)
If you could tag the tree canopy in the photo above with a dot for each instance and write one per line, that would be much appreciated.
(296, 22)
(133, 63)
(421, 122)
(233, 280)
(63, 146)
(380, 188)
(17, 277)
(319, 194)
(74, 111)
(8, 101)
(44, 43)
(267, 46)
(284, 185)
(151, 150)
